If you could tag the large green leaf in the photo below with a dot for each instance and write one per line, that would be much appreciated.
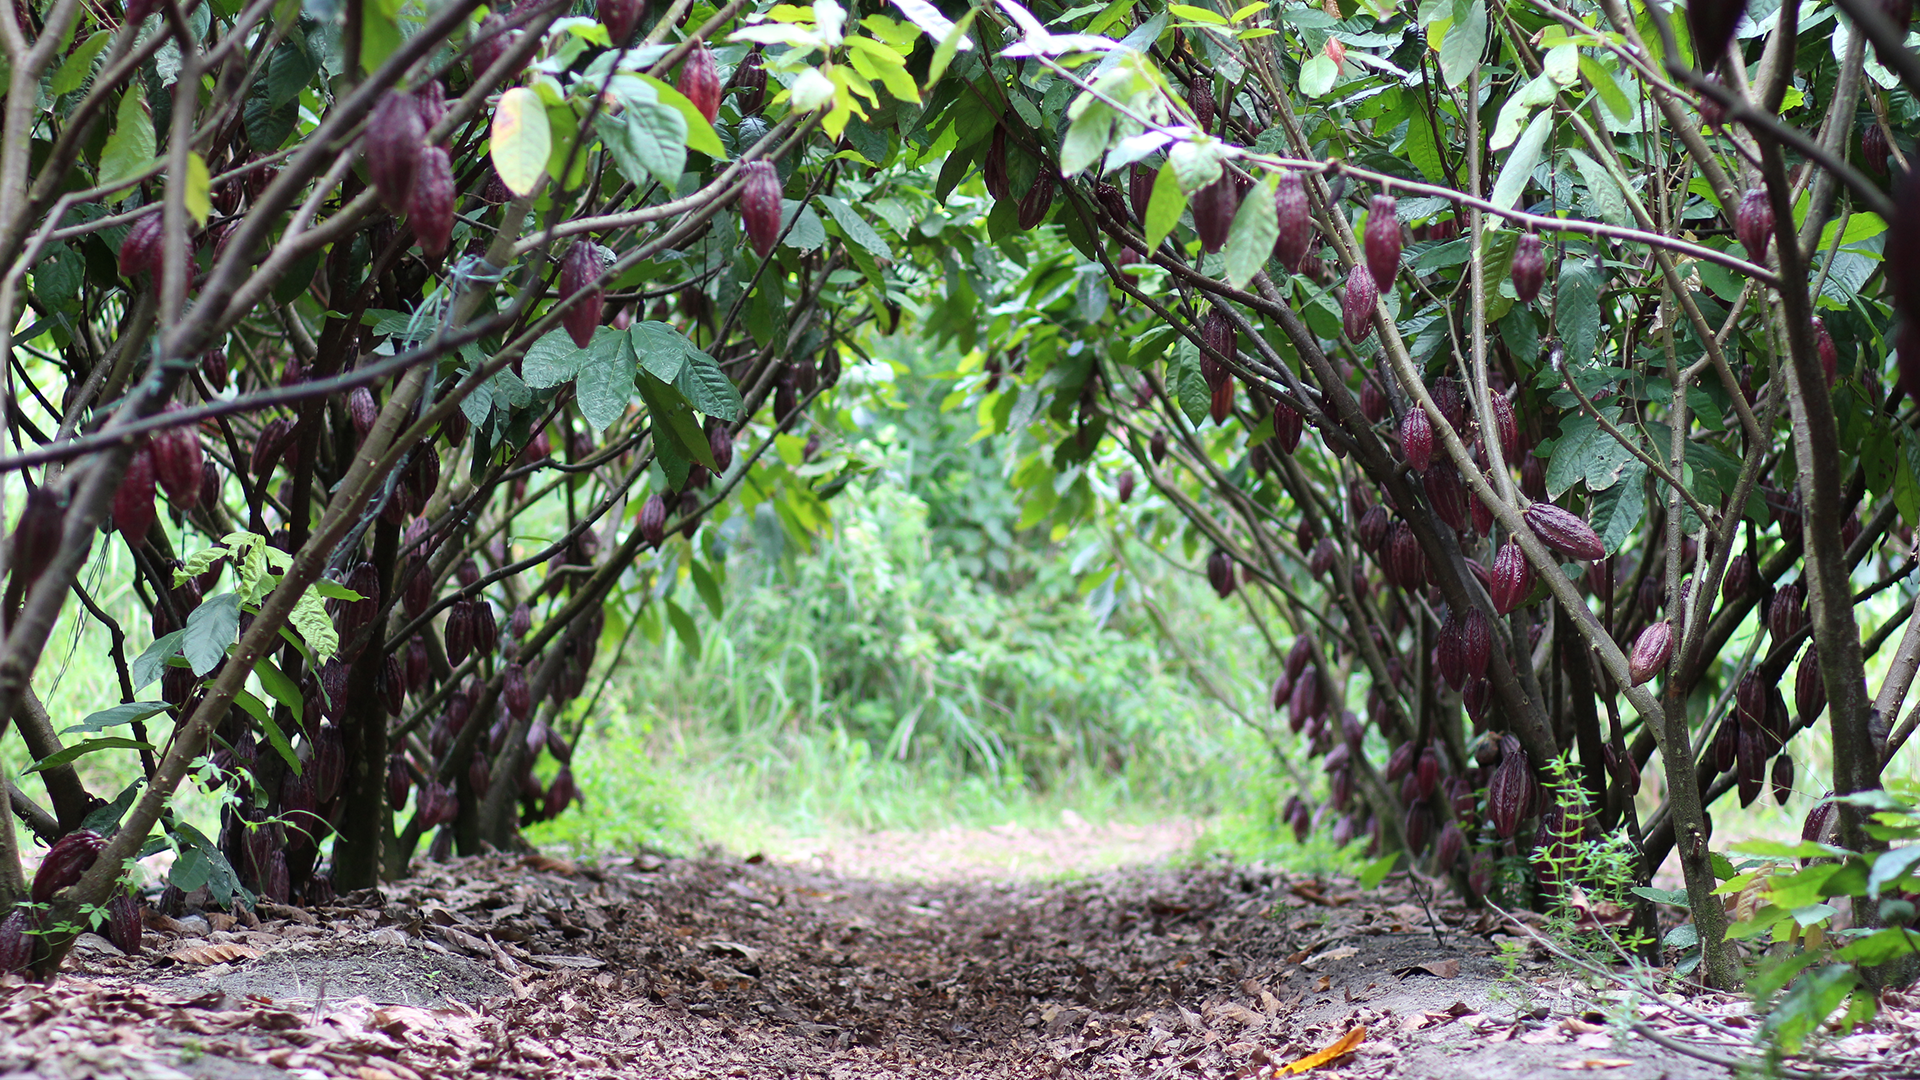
(130, 148)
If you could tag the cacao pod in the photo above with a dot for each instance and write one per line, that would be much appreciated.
(1373, 401)
(361, 410)
(399, 782)
(1711, 24)
(479, 774)
(38, 534)
(622, 17)
(1214, 207)
(1874, 148)
(1447, 494)
(1753, 223)
(213, 368)
(1788, 613)
(1821, 821)
(1034, 205)
(143, 249)
(490, 41)
(1507, 791)
(1406, 560)
(1529, 269)
(1476, 643)
(580, 270)
(1295, 220)
(1322, 559)
(486, 630)
(1828, 351)
(1282, 692)
(1400, 762)
(1357, 304)
(1220, 572)
(1651, 650)
(653, 520)
(392, 148)
(1309, 700)
(700, 82)
(1739, 577)
(1809, 687)
(178, 463)
(750, 83)
(1416, 826)
(1299, 655)
(1750, 773)
(1426, 773)
(1448, 849)
(1140, 180)
(133, 512)
(515, 693)
(1533, 478)
(1416, 439)
(1447, 657)
(1382, 241)
(520, 622)
(1782, 778)
(1507, 425)
(560, 794)
(1371, 532)
(70, 857)
(1123, 486)
(760, 191)
(1201, 98)
(430, 203)
(16, 945)
(1713, 114)
(1564, 531)
(1287, 427)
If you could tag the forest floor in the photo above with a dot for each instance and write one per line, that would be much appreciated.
(862, 962)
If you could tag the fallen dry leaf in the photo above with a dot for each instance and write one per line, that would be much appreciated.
(213, 953)
(1591, 1064)
(1341, 1046)
(1439, 969)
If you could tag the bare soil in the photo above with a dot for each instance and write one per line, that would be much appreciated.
(661, 967)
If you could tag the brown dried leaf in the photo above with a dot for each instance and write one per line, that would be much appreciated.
(213, 953)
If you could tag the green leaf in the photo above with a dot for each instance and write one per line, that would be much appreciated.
(281, 688)
(78, 67)
(700, 136)
(708, 589)
(152, 663)
(77, 750)
(1891, 866)
(1375, 872)
(1672, 897)
(1577, 310)
(289, 71)
(129, 713)
(1512, 181)
(855, 228)
(1616, 512)
(211, 627)
(656, 137)
(199, 192)
(706, 387)
(1603, 195)
(1250, 240)
(522, 141)
(554, 360)
(129, 149)
(1190, 387)
(1164, 207)
(683, 626)
(604, 380)
(1466, 40)
(1317, 75)
(1087, 139)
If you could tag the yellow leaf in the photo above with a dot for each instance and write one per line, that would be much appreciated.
(199, 193)
(1341, 1046)
(521, 140)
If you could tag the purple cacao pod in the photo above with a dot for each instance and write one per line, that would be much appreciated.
(1382, 241)
(392, 148)
(1358, 303)
(585, 261)
(1529, 269)
(760, 191)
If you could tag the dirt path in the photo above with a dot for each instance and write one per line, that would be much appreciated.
(996, 852)
(656, 967)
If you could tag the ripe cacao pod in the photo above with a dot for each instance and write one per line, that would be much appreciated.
(1564, 531)
(70, 857)
(1201, 98)
(1322, 559)
(430, 203)
(1753, 223)
(1406, 562)
(993, 168)
(1038, 200)
(1750, 772)
(760, 191)
(1508, 426)
(1373, 401)
(1448, 849)
(38, 534)
(585, 261)
(1295, 220)
(750, 83)
(1874, 148)
(1282, 692)
(1157, 447)
(142, 250)
(491, 40)
(479, 774)
(1309, 700)
(700, 82)
(1529, 270)
(1447, 494)
(1476, 643)
(1651, 650)
(653, 520)
(1533, 478)
(1788, 613)
(1372, 529)
(1416, 439)
(1739, 577)
(213, 368)
(1214, 207)
(1382, 241)
(1357, 304)
(1475, 699)
(133, 512)
(1782, 778)
(392, 148)
(1220, 573)
(1809, 687)
(1400, 762)
(1123, 486)
(486, 630)
(1426, 773)
(515, 693)
(1299, 655)
(1507, 791)
(459, 631)
(1829, 353)
(178, 462)
(399, 782)
(622, 17)
(1140, 180)
(1287, 427)
(16, 945)
(1711, 24)
(1750, 698)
